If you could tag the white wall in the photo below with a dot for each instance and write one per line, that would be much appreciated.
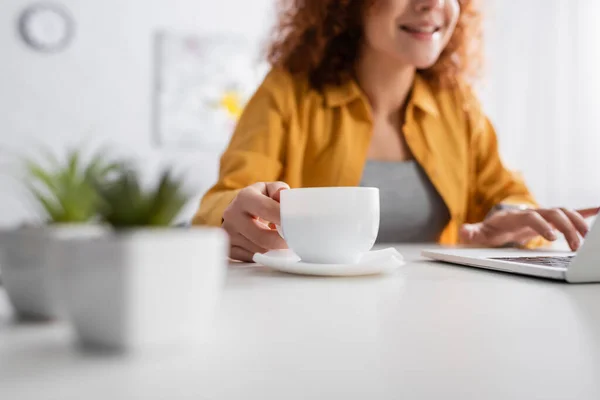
(100, 88)
(542, 93)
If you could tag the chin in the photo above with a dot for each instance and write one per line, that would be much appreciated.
(424, 60)
(425, 63)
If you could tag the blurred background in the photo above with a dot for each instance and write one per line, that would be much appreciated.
(163, 81)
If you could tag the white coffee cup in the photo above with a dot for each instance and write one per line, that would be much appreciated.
(330, 225)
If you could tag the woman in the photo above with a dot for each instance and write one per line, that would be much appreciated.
(375, 93)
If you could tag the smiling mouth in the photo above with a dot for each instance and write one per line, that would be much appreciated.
(422, 30)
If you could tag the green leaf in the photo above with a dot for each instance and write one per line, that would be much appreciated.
(46, 178)
(126, 204)
(98, 170)
(169, 199)
(73, 165)
(53, 211)
(68, 192)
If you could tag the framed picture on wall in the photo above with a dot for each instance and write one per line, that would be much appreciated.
(202, 84)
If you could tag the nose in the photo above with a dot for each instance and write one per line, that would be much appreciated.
(428, 5)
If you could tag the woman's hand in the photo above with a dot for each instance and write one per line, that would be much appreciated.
(511, 226)
(244, 221)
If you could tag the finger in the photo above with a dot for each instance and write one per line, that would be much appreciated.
(264, 238)
(269, 188)
(537, 223)
(482, 234)
(525, 236)
(577, 220)
(259, 205)
(239, 240)
(274, 190)
(589, 212)
(563, 224)
(467, 233)
(507, 227)
(239, 254)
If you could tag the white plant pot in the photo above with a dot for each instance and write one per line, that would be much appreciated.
(144, 288)
(28, 274)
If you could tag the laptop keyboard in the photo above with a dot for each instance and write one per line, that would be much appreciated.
(547, 261)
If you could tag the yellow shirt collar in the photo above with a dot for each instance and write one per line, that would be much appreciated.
(422, 95)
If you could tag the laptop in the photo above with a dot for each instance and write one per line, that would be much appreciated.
(580, 267)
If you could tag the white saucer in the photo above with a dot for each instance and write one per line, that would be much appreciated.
(371, 263)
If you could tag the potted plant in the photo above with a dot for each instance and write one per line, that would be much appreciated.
(146, 282)
(69, 203)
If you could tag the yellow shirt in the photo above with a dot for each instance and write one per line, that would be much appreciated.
(290, 132)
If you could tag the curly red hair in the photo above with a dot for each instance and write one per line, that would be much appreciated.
(320, 38)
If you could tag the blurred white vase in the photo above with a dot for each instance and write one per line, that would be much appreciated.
(137, 289)
(31, 278)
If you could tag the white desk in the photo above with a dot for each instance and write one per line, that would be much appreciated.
(431, 331)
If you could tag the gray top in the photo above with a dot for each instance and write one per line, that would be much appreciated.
(411, 208)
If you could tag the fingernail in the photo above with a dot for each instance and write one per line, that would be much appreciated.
(574, 244)
(551, 235)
